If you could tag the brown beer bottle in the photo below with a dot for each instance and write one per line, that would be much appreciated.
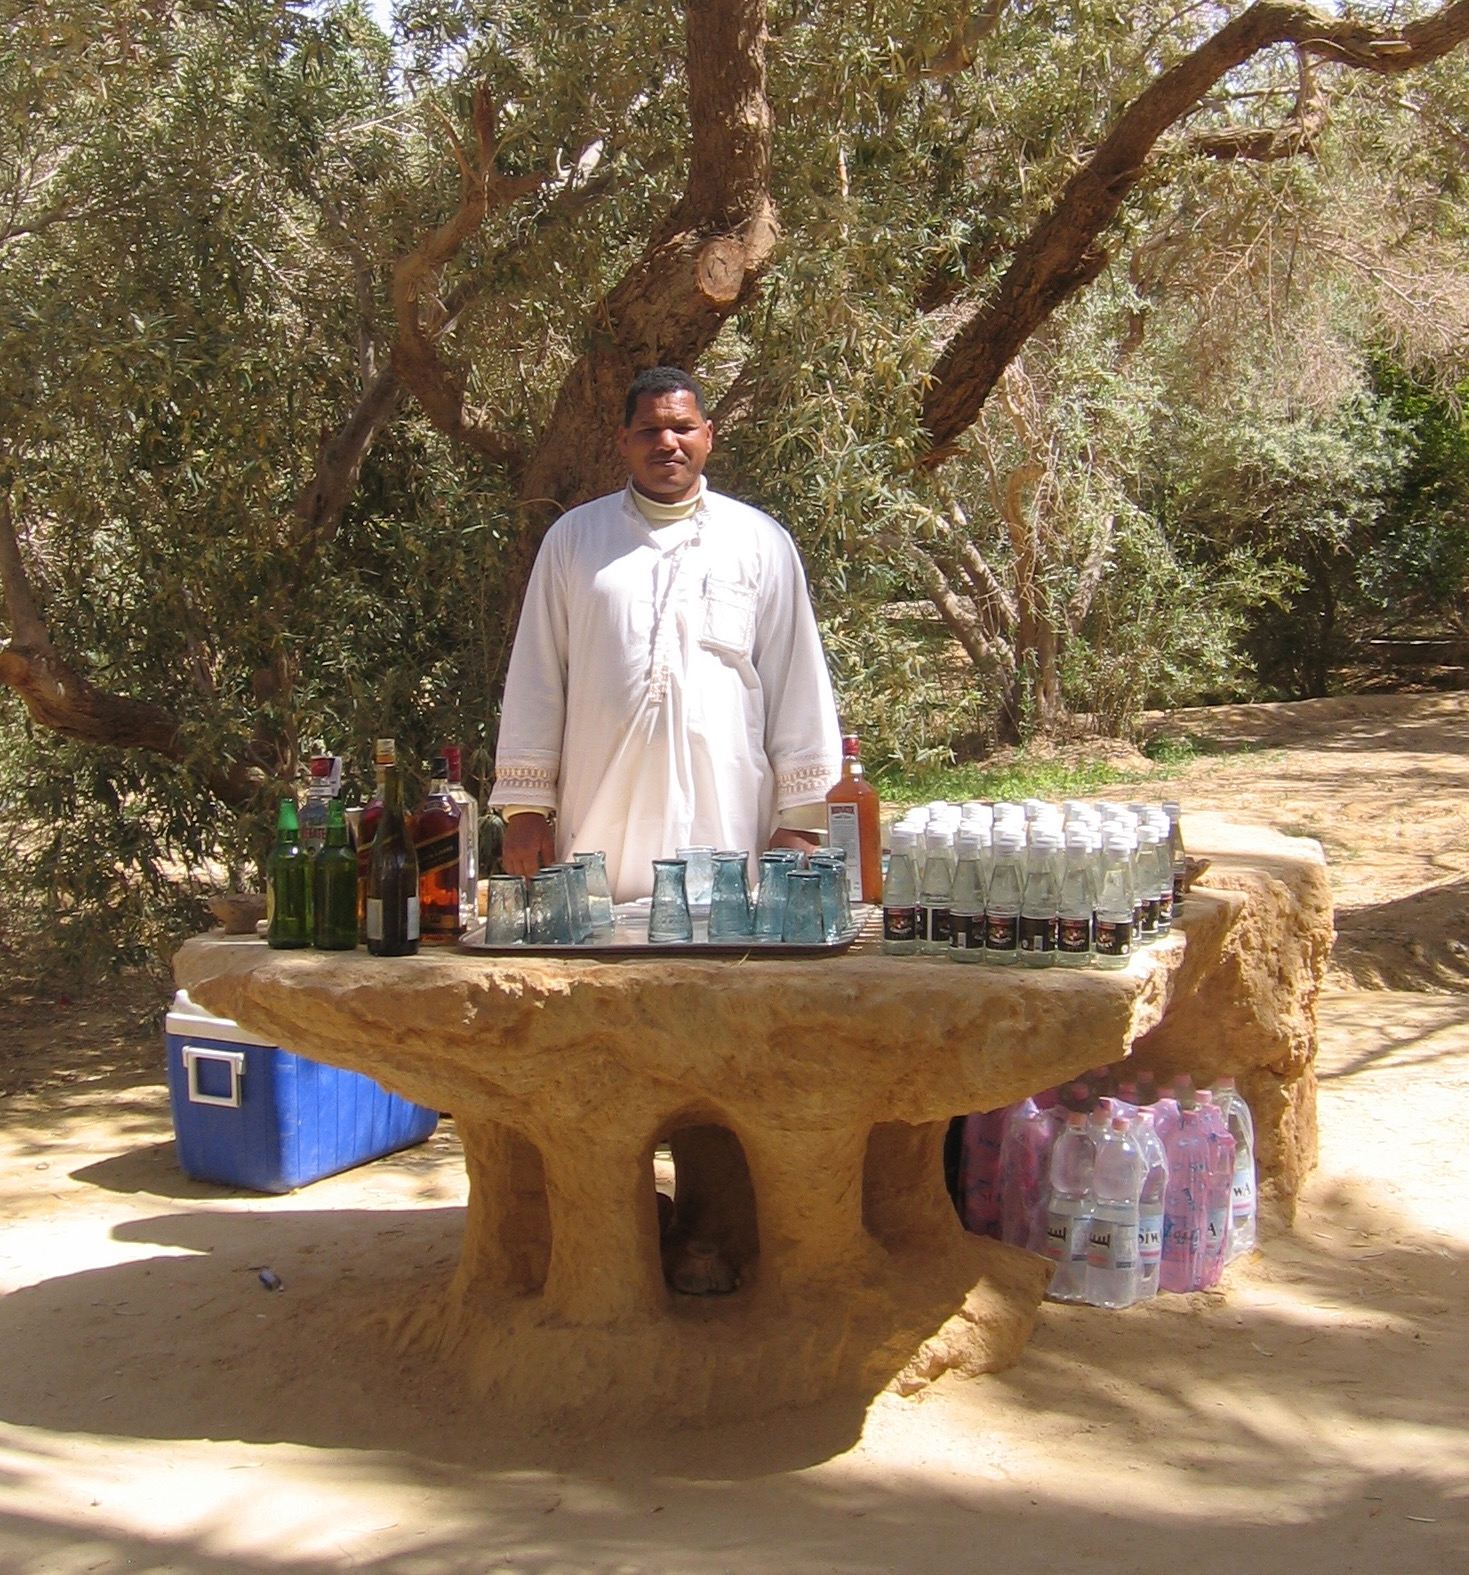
(853, 823)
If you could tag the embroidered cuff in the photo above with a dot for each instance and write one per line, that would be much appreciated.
(804, 782)
(525, 783)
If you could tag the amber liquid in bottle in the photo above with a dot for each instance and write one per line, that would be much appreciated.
(853, 822)
(437, 835)
(385, 754)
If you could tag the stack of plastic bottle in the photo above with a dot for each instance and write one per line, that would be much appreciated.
(1127, 1191)
(1074, 884)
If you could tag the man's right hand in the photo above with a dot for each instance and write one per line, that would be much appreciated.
(529, 843)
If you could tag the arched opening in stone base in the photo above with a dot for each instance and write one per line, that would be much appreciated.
(905, 1198)
(699, 1164)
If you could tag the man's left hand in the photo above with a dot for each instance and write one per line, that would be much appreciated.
(801, 841)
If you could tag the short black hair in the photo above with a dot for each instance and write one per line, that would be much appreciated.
(661, 380)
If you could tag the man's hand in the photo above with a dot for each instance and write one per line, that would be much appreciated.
(528, 844)
(801, 841)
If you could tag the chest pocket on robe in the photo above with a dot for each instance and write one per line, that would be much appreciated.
(729, 618)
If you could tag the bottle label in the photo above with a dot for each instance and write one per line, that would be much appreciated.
(1242, 1200)
(410, 930)
(1002, 932)
(441, 853)
(933, 924)
(1165, 909)
(842, 831)
(1075, 936)
(966, 932)
(1137, 922)
(1038, 935)
(1068, 1236)
(1114, 938)
(900, 924)
(1150, 1240)
(1113, 1244)
(1218, 1228)
(374, 918)
(1150, 916)
(1177, 887)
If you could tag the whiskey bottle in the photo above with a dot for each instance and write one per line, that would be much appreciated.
(287, 889)
(334, 886)
(468, 839)
(853, 821)
(325, 784)
(392, 878)
(438, 837)
(385, 754)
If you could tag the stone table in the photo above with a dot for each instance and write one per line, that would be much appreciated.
(806, 1104)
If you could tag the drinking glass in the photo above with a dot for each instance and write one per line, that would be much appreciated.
(505, 916)
(804, 923)
(668, 918)
(578, 903)
(599, 892)
(730, 914)
(770, 901)
(699, 879)
(833, 872)
(549, 908)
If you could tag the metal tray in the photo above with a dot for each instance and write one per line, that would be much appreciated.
(630, 939)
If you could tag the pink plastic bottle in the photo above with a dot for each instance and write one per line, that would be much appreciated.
(979, 1172)
(1025, 1174)
(1221, 1191)
(1185, 1204)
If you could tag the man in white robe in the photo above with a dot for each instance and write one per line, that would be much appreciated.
(667, 687)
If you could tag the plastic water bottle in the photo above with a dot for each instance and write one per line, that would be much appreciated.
(936, 890)
(966, 901)
(1150, 1206)
(1040, 901)
(1112, 1250)
(1025, 1171)
(1069, 1209)
(1221, 1185)
(1078, 902)
(1002, 906)
(1176, 853)
(1149, 897)
(1185, 1204)
(900, 896)
(1244, 1203)
(1115, 903)
(979, 1172)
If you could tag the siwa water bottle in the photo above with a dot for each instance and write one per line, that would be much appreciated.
(1069, 1208)
(1221, 1185)
(1112, 1249)
(1025, 1171)
(1150, 1206)
(1185, 1204)
(1243, 1205)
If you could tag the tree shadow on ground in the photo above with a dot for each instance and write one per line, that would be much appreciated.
(1419, 942)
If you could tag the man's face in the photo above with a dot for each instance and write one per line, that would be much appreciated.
(666, 446)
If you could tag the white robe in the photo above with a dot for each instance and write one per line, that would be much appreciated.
(667, 687)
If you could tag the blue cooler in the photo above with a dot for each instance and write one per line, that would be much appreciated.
(252, 1115)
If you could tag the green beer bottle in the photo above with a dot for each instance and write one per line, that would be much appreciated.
(334, 886)
(288, 883)
(392, 878)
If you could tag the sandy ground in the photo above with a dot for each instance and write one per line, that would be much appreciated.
(161, 1411)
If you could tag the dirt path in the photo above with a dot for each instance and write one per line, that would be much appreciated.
(161, 1411)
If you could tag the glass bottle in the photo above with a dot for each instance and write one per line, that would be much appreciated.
(437, 840)
(288, 883)
(1115, 903)
(900, 896)
(1078, 902)
(326, 780)
(1148, 892)
(384, 754)
(334, 886)
(1176, 850)
(392, 878)
(966, 901)
(935, 890)
(854, 824)
(1002, 904)
(468, 838)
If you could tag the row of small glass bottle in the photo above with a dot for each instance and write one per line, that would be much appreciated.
(1035, 883)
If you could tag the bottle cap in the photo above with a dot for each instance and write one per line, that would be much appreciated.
(1078, 839)
(440, 768)
(286, 818)
(321, 766)
(938, 837)
(1119, 1123)
(851, 746)
(904, 839)
(1147, 836)
(454, 755)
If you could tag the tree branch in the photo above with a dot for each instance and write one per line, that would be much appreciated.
(1090, 578)
(415, 358)
(958, 54)
(1301, 132)
(961, 623)
(1062, 254)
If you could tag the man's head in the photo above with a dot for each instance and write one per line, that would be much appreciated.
(666, 434)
